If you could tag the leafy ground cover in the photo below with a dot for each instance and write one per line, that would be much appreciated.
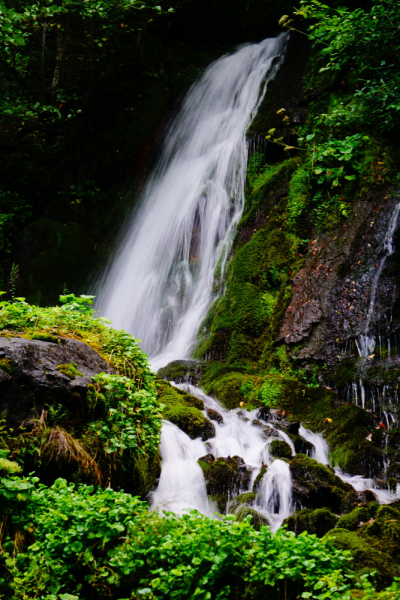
(73, 542)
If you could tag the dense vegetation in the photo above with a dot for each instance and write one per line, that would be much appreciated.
(85, 87)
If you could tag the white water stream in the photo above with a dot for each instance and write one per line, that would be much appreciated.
(366, 343)
(160, 284)
(182, 484)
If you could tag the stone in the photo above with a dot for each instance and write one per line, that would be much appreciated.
(33, 379)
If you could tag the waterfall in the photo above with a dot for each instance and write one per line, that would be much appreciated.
(366, 344)
(160, 283)
(182, 484)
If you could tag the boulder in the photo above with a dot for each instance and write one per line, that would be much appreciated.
(225, 478)
(280, 449)
(191, 420)
(181, 371)
(214, 415)
(317, 486)
(318, 521)
(35, 373)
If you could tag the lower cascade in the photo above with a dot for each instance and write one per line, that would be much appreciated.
(245, 436)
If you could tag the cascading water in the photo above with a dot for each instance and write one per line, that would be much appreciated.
(160, 284)
(366, 344)
(182, 484)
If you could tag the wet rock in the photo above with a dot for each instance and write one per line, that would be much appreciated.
(263, 413)
(365, 557)
(318, 521)
(258, 479)
(331, 293)
(182, 371)
(257, 423)
(214, 415)
(225, 478)
(257, 519)
(247, 498)
(33, 374)
(352, 520)
(316, 486)
(208, 458)
(301, 446)
(280, 449)
(270, 432)
(191, 420)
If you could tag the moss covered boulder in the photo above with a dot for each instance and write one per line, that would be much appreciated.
(225, 478)
(182, 371)
(318, 521)
(191, 420)
(365, 557)
(317, 486)
(280, 449)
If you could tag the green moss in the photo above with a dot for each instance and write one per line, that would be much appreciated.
(6, 365)
(352, 520)
(365, 558)
(299, 192)
(70, 370)
(265, 184)
(45, 337)
(243, 499)
(280, 449)
(171, 397)
(345, 372)
(258, 479)
(189, 419)
(257, 520)
(228, 389)
(317, 486)
(317, 522)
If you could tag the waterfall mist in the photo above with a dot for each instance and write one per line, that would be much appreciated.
(160, 283)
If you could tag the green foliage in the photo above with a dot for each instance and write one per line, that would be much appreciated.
(92, 543)
(333, 152)
(270, 393)
(133, 419)
(36, 40)
(14, 211)
(77, 319)
(365, 43)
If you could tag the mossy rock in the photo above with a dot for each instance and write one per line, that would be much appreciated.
(352, 520)
(170, 396)
(317, 486)
(191, 421)
(214, 415)
(258, 479)
(70, 370)
(383, 531)
(225, 476)
(45, 337)
(257, 519)
(247, 499)
(318, 521)
(227, 389)
(7, 365)
(365, 557)
(280, 449)
(181, 371)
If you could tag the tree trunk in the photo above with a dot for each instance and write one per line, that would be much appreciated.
(60, 54)
(42, 57)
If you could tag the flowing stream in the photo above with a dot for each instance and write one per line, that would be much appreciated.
(160, 284)
(243, 434)
(366, 343)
